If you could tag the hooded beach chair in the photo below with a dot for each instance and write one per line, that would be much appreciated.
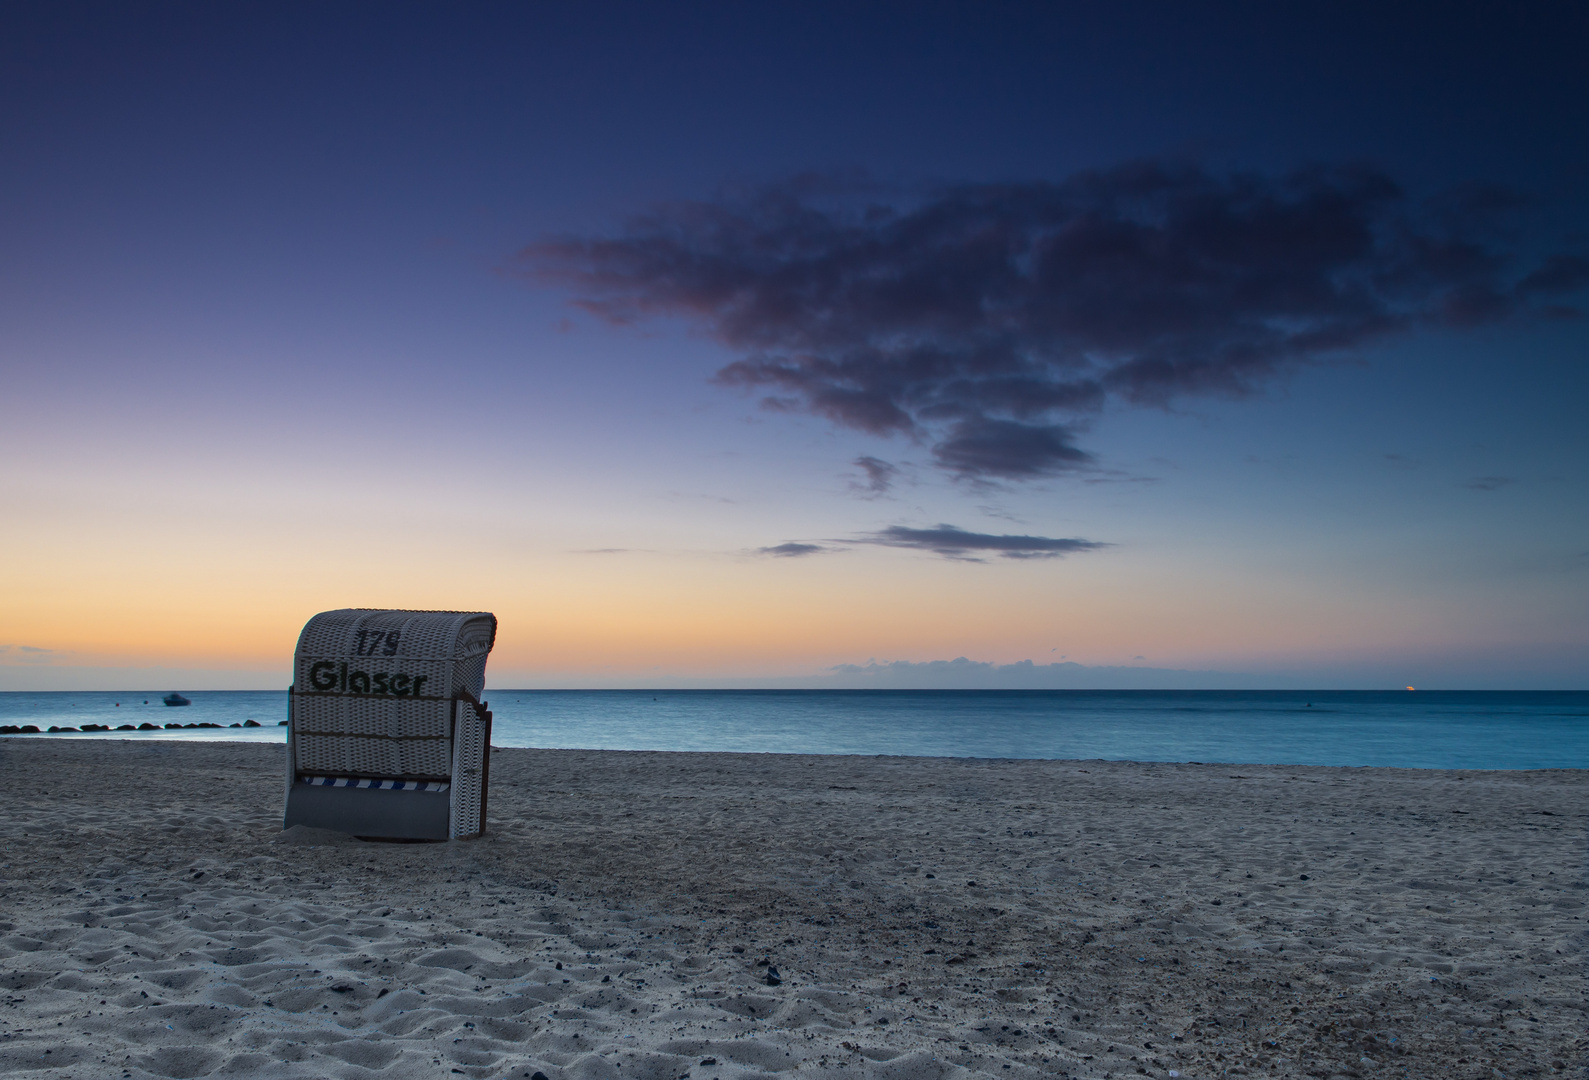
(386, 732)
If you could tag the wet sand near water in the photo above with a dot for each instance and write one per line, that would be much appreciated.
(926, 918)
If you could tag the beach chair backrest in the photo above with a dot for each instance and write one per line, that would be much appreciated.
(384, 695)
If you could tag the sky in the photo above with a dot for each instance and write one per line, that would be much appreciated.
(1121, 344)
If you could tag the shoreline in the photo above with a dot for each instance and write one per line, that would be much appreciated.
(994, 912)
(268, 736)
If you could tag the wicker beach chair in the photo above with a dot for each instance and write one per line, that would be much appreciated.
(386, 732)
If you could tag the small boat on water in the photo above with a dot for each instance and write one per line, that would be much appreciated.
(174, 698)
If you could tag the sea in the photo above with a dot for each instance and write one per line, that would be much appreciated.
(1405, 729)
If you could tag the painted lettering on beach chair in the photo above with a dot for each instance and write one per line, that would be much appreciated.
(376, 642)
(332, 677)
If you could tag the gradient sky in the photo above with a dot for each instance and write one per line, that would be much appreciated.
(1212, 338)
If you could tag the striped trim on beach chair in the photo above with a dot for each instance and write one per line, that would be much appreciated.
(385, 785)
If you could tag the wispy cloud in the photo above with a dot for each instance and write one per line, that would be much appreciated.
(793, 550)
(957, 543)
(1488, 483)
(987, 320)
(877, 476)
(26, 654)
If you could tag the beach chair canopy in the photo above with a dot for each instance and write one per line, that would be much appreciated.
(387, 735)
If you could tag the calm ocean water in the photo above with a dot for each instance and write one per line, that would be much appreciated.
(1422, 729)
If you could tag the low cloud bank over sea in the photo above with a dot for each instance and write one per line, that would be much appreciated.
(965, 674)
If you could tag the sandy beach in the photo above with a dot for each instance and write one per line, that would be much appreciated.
(926, 918)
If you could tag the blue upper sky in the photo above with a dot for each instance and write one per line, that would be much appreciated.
(738, 341)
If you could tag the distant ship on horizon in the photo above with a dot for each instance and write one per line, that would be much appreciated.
(175, 698)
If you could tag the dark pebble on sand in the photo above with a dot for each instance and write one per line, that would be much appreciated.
(708, 1061)
(773, 978)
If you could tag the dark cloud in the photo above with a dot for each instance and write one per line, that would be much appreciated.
(792, 550)
(987, 447)
(1557, 274)
(879, 478)
(979, 318)
(955, 543)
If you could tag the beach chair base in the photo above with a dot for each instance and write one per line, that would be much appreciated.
(397, 815)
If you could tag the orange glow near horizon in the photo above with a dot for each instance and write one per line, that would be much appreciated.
(679, 615)
(231, 592)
